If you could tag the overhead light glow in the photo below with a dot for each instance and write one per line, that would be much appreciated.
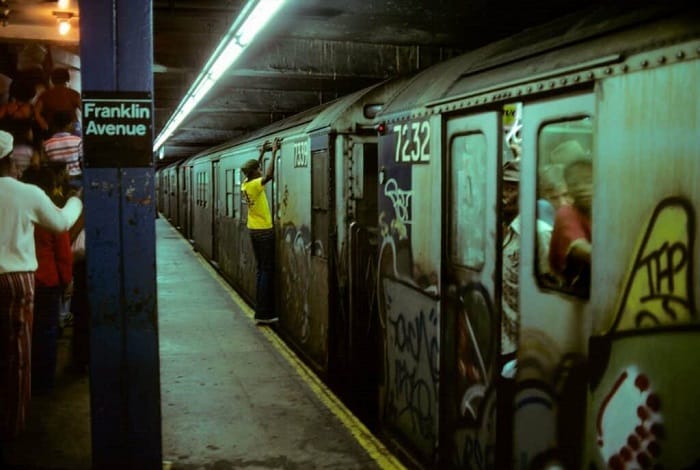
(63, 18)
(63, 27)
(257, 21)
(253, 18)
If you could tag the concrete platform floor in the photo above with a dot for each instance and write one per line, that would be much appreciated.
(232, 395)
(58, 426)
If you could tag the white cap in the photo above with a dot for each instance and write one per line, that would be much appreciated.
(6, 142)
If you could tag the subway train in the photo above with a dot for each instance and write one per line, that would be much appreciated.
(492, 261)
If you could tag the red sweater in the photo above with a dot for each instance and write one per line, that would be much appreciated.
(53, 252)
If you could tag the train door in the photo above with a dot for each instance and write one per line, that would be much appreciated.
(216, 206)
(166, 191)
(191, 205)
(172, 196)
(177, 221)
(184, 199)
(550, 396)
(273, 186)
(321, 250)
(470, 321)
(191, 202)
(363, 329)
(202, 212)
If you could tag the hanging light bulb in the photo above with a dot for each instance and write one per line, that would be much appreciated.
(63, 27)
(63, 18)
(63, 4)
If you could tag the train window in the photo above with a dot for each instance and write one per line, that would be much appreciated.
(236, 190)
(564, 196)
(467, 200)
(230, 207)
(202, 187)
(205, 189)
(198, 189)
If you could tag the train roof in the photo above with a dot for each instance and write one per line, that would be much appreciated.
(349, 112)
(340, 115)
(565, 43)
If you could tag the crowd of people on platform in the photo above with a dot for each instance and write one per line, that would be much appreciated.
(41, 238)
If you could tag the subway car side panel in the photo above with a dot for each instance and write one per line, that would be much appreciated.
(302, 286)
(644, 350)
(408, 281)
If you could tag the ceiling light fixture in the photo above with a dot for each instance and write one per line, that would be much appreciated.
(253, 18)
(63, 4)
(64, 18)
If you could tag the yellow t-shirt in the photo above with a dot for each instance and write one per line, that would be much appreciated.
(259, 216)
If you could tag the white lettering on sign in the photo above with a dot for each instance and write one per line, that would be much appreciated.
(119, 111)
(112, 118)
(115, 129)
(301, 154)
(412, 142)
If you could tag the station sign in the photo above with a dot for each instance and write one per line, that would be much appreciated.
(117, 129)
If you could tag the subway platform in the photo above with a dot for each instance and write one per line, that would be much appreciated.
(232, 394)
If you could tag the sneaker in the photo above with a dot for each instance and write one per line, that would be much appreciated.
(266, 321)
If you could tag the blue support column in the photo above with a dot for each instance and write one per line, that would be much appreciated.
(117, 57)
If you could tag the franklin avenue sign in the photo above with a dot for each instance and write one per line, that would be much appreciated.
(117, 129)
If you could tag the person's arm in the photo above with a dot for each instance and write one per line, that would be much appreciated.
(53, 218)
(580, 251)
(271, 169)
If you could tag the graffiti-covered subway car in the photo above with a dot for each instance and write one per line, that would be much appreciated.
(323, 199)
(491, 359)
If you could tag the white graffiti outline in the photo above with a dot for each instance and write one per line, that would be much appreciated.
(401, 200)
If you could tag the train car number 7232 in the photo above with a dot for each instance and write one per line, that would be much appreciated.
(413, 142)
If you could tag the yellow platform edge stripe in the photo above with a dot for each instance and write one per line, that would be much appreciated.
(374, 448)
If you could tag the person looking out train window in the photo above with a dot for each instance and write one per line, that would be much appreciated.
(553, 193)
(570, 248)
(262, 233)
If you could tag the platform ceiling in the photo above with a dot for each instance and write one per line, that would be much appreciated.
(313, 51)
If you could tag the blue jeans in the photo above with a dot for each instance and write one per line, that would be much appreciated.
(264, 250)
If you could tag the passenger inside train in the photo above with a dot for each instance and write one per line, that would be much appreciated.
(511, 239)
(553, 193)
(570, 249)
(511, 261)
(564, 188)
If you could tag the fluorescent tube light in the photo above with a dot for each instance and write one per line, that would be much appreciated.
(253, 18)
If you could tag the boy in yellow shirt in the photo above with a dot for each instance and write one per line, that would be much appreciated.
(262, 233)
